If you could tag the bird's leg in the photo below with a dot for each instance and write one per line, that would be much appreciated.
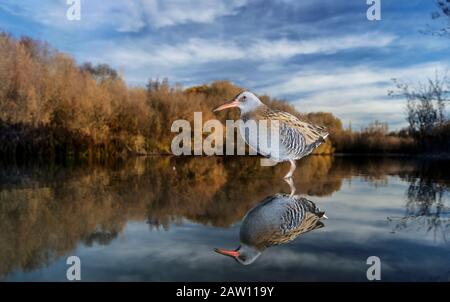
(291, 170)
(290, 182)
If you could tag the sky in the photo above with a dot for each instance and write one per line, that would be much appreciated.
(319, 55)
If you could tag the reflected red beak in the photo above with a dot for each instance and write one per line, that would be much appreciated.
(231, 104)
(230, 253)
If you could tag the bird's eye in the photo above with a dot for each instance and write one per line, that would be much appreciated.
(244, 98)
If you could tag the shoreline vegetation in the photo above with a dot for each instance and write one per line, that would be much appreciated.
(51, 108)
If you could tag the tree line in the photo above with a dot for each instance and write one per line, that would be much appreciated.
(53, 108)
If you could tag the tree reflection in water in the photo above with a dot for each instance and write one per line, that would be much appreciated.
(47, 210)
(427, 207)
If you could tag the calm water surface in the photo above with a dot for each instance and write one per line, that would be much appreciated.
(159, 219)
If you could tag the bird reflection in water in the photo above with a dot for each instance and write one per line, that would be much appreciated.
(278, 219)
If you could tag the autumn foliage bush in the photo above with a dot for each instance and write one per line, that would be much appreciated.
(52, 107)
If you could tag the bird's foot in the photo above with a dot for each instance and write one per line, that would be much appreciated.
(291, 170)
(290, 182)
(288, 176)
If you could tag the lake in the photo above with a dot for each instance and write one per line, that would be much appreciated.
(160, 219)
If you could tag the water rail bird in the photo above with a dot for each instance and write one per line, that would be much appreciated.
(278, 219)
(294, 137)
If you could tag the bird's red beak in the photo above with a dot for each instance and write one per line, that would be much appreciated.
(230, 253)
(230, 104)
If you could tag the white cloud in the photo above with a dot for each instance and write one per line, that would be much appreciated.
(171, 12)
(125, 16)
(136, 53)
(39, 11)
(145, 53)
(269, 49)
(357, 94)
